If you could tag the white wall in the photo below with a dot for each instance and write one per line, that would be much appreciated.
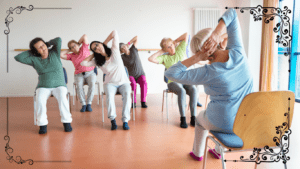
(150, 20)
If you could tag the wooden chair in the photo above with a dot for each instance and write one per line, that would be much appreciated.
(85, 83)
(118, 93)
(257, 121)
(68, 96)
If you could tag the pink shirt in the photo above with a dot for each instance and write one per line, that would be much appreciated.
(84, 52)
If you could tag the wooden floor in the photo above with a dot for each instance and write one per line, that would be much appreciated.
(152, 141)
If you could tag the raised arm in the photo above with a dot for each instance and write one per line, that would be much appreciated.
(184, 37)
(25, 57)
(133, 41)
(113, 35)
(230, 22)
(83, 39)
(63, 54)
(153, 58)
(56, 42)
(89, 61)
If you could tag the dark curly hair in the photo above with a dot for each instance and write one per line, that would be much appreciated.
(100, 59)
(33, 49)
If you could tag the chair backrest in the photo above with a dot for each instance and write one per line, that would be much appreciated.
(125, 70)
(96, 70)
(259, 114)
(66, 76)
(187, 47)
(165, 78)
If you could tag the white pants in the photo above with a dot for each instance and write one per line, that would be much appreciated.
(125, 91)
(202, 128)
(42, 95)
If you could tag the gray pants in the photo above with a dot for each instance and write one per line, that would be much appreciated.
(89, 78)
(181, 90)
(110, 91)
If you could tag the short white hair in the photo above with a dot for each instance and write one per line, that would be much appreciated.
(199, 39)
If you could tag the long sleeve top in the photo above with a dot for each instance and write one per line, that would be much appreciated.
(114, 67)
(50, 70)
(226, 83)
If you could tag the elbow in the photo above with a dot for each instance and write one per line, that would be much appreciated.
(169, 74)
(149, 59)
(83, 63)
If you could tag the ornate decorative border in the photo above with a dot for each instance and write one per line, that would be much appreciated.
(8, 149)
(282, 141)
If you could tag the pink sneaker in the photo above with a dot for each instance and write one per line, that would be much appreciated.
(214, 153)
(195, 157)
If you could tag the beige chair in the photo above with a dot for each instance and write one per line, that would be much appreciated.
(260, 116)
(85, 83)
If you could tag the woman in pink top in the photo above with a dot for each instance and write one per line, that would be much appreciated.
(82, 73)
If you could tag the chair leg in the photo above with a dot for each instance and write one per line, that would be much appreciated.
(222, 158)
(162, 107)
(73, 94)
(98, 93)
(133, 106)
(167, 105)
(34, 110)
(205, 153)
(102, 108)
(68, 96)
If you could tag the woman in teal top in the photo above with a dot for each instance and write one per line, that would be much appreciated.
(48, 65)
(227, 79)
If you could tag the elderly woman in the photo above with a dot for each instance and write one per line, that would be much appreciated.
(116, 80)
(48, 65)
(175, 55)
(227, 79)
(133, 63)
(82, 73)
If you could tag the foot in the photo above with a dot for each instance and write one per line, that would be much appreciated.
(113, 125)
(67, 127)
(214, 153)
(134, 105)
(89, 108)
(144, 105)
(43, 129)
(183, 122)
(199, 104)
(193, 118)
(195, 157)
(83, 108)
(125, 126)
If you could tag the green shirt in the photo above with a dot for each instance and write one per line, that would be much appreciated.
(169, 60)
(50, 70)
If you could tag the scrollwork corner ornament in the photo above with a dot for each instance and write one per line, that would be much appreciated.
(17, 10)
(9, 150)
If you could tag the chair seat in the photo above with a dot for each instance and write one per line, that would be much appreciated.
(229, 140)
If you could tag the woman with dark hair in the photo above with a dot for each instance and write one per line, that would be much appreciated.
(82, 73)
(48, 65)
(133, 63)
(227, 79)
(116, 80)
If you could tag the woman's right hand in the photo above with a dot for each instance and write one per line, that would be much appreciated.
(213, 40)
(204, 54)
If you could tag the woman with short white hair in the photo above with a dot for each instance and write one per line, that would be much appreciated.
(227, 79)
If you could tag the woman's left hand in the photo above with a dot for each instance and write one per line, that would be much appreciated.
(204, 54)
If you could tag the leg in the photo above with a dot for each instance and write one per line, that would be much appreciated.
(191, 90)
(125, 91)
(133, 87)
(60, 94)
(178, 89)
(110, 91)
(79, 80)
(143, 84)
(42, 95)
(91, 80)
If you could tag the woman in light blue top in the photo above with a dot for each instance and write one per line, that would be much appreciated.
(227, 79)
